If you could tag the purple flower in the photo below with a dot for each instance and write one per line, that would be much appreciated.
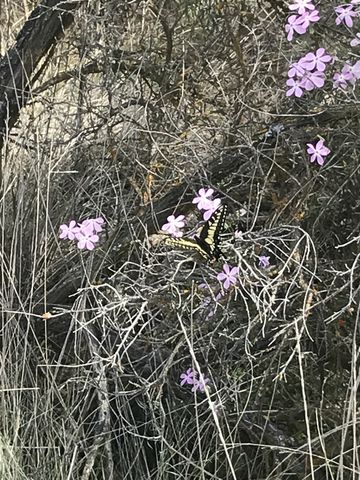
(318, 152)
(228, 276)
(356, 70)
(204, 202)
(94, 223)
(353, 71)
(295, 24)
(345, 14)
(296, 87)
(313, 80)
(219, 296)
(316, 61)
(264, 262)
(206, 303)
(309, 17)
(346, 75)
(188, 377)
(339, 81)
(355, 41)
(296, 69)
(301, 6)
(69, 231)
(200, 384)
(173, 225)
(214, 206)
(203, 199)
(238, 234)
(86, 238)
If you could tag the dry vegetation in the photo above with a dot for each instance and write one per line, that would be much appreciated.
(139, 105)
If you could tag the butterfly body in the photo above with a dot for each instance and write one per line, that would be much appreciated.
(207, 239)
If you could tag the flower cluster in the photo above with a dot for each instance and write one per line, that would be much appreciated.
(306, 14)
(85, 233)
(205, 202)
(190, 378)
(308, 72)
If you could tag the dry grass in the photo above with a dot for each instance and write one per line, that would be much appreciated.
(140, 100)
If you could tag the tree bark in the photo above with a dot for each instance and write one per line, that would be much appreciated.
(42, 30)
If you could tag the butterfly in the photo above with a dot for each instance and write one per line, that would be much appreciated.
(207, 239)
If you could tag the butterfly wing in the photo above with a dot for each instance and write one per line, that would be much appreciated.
(208, 237)
(186, 243)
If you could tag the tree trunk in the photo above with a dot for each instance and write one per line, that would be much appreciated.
(45, 26)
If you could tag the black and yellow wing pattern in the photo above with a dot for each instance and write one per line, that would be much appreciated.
(207, 238)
